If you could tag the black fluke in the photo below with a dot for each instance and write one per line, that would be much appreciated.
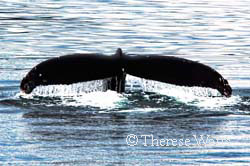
(86, 67)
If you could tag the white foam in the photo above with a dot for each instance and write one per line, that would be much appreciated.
(201, 97)
(102, 100)
(93, 94)
(196, 96)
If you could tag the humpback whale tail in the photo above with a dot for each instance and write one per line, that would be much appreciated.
(86, 67)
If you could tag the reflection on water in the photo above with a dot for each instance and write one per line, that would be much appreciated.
(66, 125)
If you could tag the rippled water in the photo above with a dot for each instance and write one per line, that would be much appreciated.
(64, 125)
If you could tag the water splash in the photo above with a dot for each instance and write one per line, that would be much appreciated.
(91, 93)
(94, 94)
(102, 100)
(70, 90)
(195, 96)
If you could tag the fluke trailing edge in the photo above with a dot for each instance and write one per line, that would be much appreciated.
(86, 67)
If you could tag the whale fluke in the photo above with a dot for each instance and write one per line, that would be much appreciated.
(71, 69)
(86, 67)
(174, 70)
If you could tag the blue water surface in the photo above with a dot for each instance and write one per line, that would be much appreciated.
(63, 125)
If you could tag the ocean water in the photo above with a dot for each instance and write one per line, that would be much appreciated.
(161, 124)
